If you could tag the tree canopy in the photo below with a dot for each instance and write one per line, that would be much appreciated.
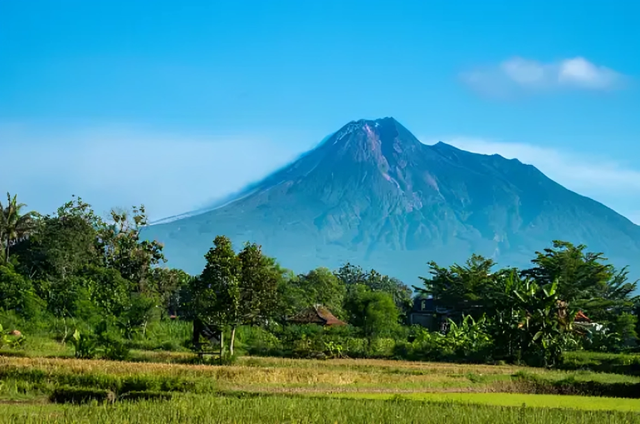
(73, 266)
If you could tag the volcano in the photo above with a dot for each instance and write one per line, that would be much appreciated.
(372, 194)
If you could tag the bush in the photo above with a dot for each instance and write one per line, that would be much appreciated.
(258, 341)
(617, 363)
(381, 348)
(227, 358)
(355, 347)
(146, 395)
(68, 394)
(11, 341)
(531, 383)
(85, 345)
(115, 350)
(17, 294)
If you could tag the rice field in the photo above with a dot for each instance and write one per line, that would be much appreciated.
(274, 390)
(587, 403)
(277, 409)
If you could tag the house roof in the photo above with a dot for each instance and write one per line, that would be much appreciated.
(424, 305)
(316, 314)
(581, 317)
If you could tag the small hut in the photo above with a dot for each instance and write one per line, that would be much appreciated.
(583, 324)
(581, 317)
(316, 314)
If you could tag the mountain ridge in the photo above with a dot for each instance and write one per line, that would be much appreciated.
(371, 193)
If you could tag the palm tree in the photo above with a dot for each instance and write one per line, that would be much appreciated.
(14, 225)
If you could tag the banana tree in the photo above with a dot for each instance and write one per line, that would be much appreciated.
(536, 326)
(467, 339)
(545, 325)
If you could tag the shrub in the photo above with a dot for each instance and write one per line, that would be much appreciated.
(84, 344)
(115, 350)
(355, 347)
(601, 362)
(531, 383)
(380, 348)
(11, 341)
(68, 394)
(145, 395)
(259, 341)
(227, 358)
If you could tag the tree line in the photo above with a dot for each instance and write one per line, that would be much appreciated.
(74, 267)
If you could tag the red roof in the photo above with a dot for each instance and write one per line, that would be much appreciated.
(317, 314)
(580, 317)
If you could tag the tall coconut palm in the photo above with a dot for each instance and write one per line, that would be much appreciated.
(14, 224)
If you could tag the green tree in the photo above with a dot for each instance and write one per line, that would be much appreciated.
(532, 324)
(579, 274)
(167, 285)
(15, 224)
(137, 314)
(351, 275)
(17, 293)
(321, 286)
(235, 290)
(291, 297)
(125, 251)
(257, 291)
(108, 289)
(215, 295)
(374, 312)
(461, 288)
(584, 280)
(625, 327)
(57, 255)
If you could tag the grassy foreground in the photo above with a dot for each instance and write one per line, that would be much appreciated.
(279, 409)
(587, 403)
(273, 390)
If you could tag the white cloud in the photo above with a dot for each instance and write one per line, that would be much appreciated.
(525, 72)
(119, 167)
(518, 74)
(609, 182)
(582, 73)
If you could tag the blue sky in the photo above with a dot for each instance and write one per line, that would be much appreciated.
(173, 104)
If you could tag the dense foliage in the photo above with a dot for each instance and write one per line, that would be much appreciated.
(98, 284)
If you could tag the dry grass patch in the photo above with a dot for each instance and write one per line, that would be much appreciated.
(382, 365)
(247, 376)
(285, 375)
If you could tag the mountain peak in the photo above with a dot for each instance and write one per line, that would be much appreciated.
(374, 134)
(363, 124)
(387, 120)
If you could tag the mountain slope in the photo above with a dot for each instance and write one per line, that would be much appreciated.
(374, 195)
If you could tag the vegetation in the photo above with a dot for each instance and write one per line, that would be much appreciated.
(277, 390)
(97, 284)
(35, 377)
(279, 409)
(79, 292)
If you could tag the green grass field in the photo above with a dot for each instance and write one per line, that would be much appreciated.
(275, 390)
(587, 403)
(279, 409)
